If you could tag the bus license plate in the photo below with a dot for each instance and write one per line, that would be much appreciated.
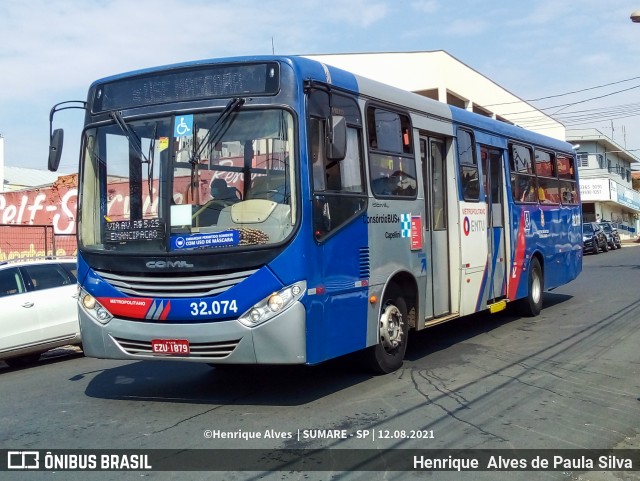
(170, 346)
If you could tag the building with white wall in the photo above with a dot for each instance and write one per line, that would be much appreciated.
(606, 189)
(23, 178)
(440, 76)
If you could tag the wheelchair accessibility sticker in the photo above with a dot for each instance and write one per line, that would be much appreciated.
(183, 126)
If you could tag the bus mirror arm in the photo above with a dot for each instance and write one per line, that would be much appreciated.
(336, 147)
(56, 136)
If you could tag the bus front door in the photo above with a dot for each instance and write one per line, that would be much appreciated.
(493, 185)
(432, 152)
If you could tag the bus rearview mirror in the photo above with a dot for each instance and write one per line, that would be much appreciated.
(336, 147)
(55, 149)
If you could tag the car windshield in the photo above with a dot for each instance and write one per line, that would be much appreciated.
(587, 228)
(606, 228)
(192, 181)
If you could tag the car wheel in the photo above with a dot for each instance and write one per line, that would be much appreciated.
(22, 361)
(596, 247)
(606, 247)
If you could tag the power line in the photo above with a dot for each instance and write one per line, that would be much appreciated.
(586, 114)
(584, 90)
(566, 93)
(572, 103)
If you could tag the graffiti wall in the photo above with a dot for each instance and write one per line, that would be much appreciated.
(53, 206)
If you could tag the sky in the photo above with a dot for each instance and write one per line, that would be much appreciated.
(52, 50)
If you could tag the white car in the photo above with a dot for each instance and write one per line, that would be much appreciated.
(38, 308)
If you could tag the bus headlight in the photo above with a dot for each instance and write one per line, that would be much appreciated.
(94, 308)
(274, 304)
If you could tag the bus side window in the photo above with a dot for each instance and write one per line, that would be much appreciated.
(392, 163)
(567, 177)
(549, 187)
(524, 184)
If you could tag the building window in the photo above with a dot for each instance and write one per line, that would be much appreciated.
(583, 159)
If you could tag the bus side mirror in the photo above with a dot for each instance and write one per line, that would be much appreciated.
(336, 148)
(55, 149)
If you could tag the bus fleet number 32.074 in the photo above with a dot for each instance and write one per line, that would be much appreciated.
(216, 307)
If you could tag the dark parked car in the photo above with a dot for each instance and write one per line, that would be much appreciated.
(613, 238)
(593, 238)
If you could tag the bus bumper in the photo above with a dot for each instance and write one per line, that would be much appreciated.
(281, 340)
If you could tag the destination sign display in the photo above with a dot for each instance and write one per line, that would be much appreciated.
(192, 83)
(134, 230)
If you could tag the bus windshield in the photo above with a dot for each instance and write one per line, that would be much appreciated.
(187, 182)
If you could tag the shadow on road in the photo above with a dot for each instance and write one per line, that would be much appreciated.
(428, 341)
(184, 382)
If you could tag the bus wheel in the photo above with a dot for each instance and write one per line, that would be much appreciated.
(387, 355)
(531, 305)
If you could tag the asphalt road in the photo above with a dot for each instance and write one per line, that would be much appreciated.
(569, 378)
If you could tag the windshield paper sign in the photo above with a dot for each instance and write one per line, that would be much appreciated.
(214, 239)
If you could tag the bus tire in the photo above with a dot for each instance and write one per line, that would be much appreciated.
(387, 356)
(531, 305)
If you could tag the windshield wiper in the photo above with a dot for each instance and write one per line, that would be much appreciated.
(152, 152)
(131, 136)
(136, 142)
(217, 130)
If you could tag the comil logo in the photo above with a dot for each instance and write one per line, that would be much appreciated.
(23, 460)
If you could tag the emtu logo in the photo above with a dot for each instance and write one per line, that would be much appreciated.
(466, 226)
(23, 460)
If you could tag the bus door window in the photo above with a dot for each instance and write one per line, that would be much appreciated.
(493, 176)
(436, 236)
(438, 186)
(484, 157)
(338, 186)
(468, 163)
(492, 181)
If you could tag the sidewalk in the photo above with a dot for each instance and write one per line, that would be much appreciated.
(631, 242)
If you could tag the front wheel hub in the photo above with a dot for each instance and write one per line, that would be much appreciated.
(391, 327)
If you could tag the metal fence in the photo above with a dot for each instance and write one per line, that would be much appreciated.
(19, 241)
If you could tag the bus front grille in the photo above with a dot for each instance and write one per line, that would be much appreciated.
(173, 285)
(204, 350)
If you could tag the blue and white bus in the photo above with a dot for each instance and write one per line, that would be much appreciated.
(278, 210)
